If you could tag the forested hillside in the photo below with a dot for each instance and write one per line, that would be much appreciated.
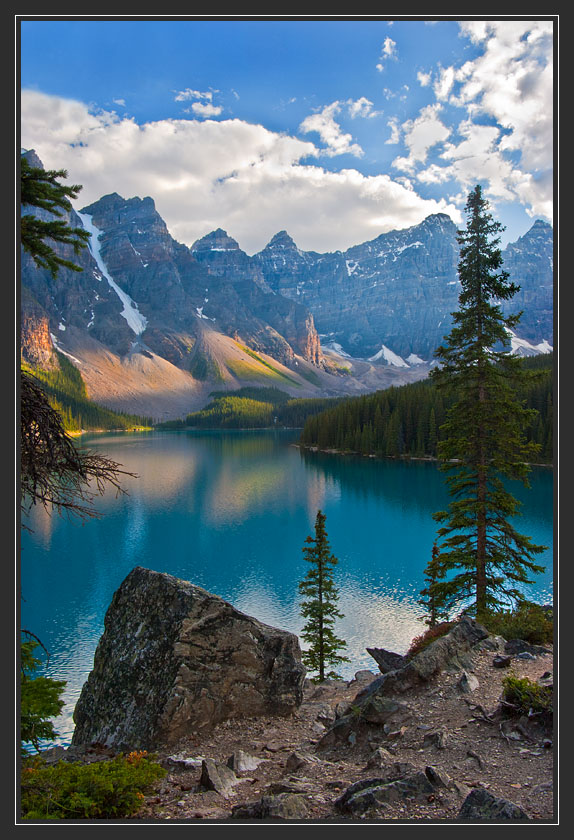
(67, 393)
(253, 408)
(406, 420)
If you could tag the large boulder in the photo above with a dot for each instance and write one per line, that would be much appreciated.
(175, 659)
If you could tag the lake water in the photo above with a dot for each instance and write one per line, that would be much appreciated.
(230, 511)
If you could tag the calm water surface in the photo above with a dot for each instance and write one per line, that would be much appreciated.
(230, 511)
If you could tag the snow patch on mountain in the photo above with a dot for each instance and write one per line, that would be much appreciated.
(136, 321)
(334, 345)
(60, 350)
(522, 347)
(413, 359)
(389, 357)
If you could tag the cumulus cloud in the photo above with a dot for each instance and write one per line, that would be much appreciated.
(330, 132)
(420, 135)
(362, 107)
(506, 137)
(228, 173)
(393, 124)
(424, 78)
(201, 109)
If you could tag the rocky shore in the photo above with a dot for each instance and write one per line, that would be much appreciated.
(431, 739)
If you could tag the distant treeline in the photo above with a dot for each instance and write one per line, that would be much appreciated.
(66, 392)
(406, 420)
(252, 408)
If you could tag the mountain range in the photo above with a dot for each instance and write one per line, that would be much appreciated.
(154, 326)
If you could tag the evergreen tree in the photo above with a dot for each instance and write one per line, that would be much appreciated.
(41, 189)
(39, 697)
(432, 599)
(483, 436)
(320, 608)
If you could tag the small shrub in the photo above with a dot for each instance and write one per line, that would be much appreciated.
(424, 640)
(100, 790)
(527, 695)
(40, 698)
(528, 621)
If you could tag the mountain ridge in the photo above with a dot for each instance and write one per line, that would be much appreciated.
(148, 309)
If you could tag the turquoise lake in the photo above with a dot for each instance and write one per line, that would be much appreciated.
(230, 511)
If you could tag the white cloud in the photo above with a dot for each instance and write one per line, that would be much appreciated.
(421, 135)
(506, 137)
(388, 50)
(393, 124)
(362, 107)
(330, 132)
(444, 83)
(206, 110)
(121, 102)
(188, 93)
(229, 173)
(512, 81)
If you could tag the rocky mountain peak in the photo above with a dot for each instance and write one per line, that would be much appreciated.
(282, 240)
(217, 240)
(32, 158)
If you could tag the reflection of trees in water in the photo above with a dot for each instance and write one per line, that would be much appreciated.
(407, 484)
(240, 444)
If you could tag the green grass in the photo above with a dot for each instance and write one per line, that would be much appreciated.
(268, 365)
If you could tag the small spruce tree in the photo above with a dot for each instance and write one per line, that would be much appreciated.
(320, 608)
(432, 600)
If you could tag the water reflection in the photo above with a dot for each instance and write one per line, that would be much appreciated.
(230, 512)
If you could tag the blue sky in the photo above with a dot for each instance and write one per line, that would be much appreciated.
(335, 130)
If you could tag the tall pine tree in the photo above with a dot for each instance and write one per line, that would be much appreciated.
(320, 608)
(482, 555)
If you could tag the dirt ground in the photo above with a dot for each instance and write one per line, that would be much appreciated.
(473, 752)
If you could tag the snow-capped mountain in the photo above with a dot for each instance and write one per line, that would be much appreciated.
(153, 324)
(398, 291)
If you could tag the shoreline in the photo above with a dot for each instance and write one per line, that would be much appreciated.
(354, 453)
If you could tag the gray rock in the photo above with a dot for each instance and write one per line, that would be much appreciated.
(494, 643)
(516, 646)
(380, 709)
(296, 761)
(440, 654)
(438, 739)
(373, 706)
(182, 762)
(217, 777)
(387, 660)
(379, 759)
(376, 793)
(525, 655)
(242, 762)
(284, 806)
(174, 659)
(501, 661)
(438, 777)
(467, 683)
(482, 806)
